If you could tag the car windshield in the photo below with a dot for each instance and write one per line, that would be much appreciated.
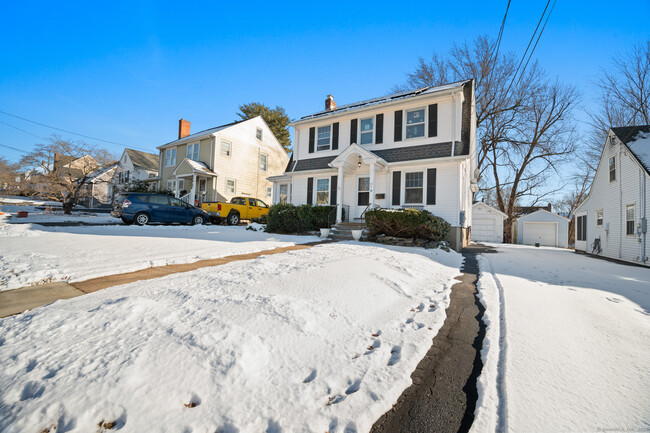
(260, 203)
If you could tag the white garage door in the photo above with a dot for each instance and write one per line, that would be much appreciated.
(484, 229)
(544, 233)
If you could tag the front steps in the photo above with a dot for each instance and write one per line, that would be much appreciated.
(343, 231)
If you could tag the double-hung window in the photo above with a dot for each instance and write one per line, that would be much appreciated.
(226, 148)
(269, 192)
(612, 169)
(193, 151)
(230, 186)
(629, 220)
(258, 133)
(170, 157)
(415, 123)
(264, 158)
(599, 217)
(414, 188)
(367, 130)
(324, 138)
(322, 191)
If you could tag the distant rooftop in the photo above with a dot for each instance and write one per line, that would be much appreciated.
(384, 99)
(146, 160)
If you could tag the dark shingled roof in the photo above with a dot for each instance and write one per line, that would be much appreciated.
(641, 149)
(148, 161)
(397, 154)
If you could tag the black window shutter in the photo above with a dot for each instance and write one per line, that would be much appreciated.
(310, 189)
(335, 136)
(353, 131)
(312, 135)
(397, 186)
(431, 186)
(333, 185)
(398, 125)
(433, 120)
(379, 129)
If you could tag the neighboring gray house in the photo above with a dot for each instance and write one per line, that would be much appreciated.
(614, 214)
(414, 149)
(541, 227)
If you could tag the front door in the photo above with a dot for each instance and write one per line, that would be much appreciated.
(363, 195)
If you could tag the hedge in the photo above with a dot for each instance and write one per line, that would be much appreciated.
(287, 218)
(407, 223)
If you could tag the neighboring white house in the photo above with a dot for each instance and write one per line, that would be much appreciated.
(414, 149)
(98, 190)
(541, 227)
(135, 165)
(487, 223)
(616, 210)
(219, 163)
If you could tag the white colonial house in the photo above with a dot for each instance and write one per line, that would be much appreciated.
(614, 215)
(222, 162)
(135, 165)
(414, 149)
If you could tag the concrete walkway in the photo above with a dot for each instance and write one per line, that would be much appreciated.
(25, 298)
(443, 395)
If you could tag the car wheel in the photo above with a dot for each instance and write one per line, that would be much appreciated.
(197, 220)
(126, 221)
(233, 219)
(141, 219)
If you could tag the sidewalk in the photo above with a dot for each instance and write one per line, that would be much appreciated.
(25, 298)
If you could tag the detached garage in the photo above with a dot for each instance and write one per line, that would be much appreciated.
(543, 227)
(487, 223)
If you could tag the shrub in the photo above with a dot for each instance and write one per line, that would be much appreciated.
(407, 223)
(287, 218)
(264, 219)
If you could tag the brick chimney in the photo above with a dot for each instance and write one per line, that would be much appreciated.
(183, 128)
(330, 105)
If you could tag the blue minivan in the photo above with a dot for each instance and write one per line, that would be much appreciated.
(143, 208)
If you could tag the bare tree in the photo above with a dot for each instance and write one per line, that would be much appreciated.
(8, 174)
(524, 121)
(64, 168)
(624, 98)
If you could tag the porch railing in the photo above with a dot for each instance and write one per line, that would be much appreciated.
(187, 198)
(345, 214)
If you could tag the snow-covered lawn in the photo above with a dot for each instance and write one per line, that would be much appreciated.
(317, 340)
(568, 347)
(32, 253)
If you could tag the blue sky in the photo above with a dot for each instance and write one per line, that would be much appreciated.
(126, 72)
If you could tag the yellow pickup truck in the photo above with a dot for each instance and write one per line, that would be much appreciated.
(239, 208)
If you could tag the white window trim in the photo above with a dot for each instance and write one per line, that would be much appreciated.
(362, 176)
(633, 206)
(406, 125)
(269, 192)
(266, 162)
(229, 155)
(609, 170)
(329, 144)
(194, 146)
(372, 131)
(234, 187)
(172, 157)
(261, 133)
(316, 191)
(424, 183)
(600, 211)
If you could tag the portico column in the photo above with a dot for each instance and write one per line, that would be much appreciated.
(177, 187)
(372, 185)
(193, 194)
(339, 196)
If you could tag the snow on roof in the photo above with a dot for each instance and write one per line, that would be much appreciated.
(637, 140)
(385, 99)
(200, 167)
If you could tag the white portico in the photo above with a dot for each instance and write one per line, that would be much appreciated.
(350, 164)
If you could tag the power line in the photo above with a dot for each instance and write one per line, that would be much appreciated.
(538, 37)
(529, 43)
(13, 148)
(503, 24)
(22, 130)
(66, 131)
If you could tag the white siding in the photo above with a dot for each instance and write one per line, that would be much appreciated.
(612, 198)
(544, 217)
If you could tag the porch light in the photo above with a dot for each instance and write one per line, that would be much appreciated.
(359, 163)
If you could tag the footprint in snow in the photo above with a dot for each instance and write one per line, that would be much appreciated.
(31, 390)
(354, 387)
(31, 365)
(395, 355)
(335, 399)
(375, 345)
(311, 377)
(614, 300)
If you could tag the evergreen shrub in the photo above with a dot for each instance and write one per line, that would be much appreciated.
(407, 223)
(288, 218)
